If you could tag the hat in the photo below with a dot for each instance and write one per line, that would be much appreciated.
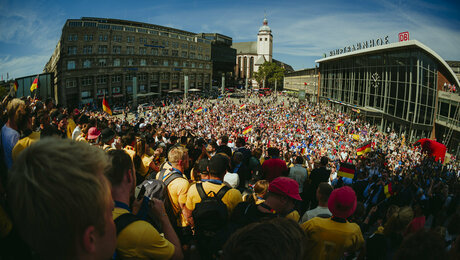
(285, 186)
(60, 117)
(93, 133)
(342, 202)
(107, 135)
(218, 165)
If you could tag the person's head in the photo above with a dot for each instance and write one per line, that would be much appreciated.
(218, 165)
(273, 152)
(240, 142)
(323, 192)
(237, 158)
(122, 172)
(107, 136)
(260, 189)
(14, 107)
(299, 160)
(422, 245)
(93, 133)
(257, 153)
(178, 157)
(60, 200)
(224, 139)
(282, 194)
(61, 121)
(324, 161)
(398, 220)
(279, 238)
(49, 104)
(342, 202)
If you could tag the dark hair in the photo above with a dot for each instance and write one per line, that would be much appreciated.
(325, 190)
(299, 160)
(272, 151)
(324, 160)
(422, 245)
(257, 241)
(224, 139)
(120, 164)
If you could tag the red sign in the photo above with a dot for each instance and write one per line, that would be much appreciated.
(404, 36)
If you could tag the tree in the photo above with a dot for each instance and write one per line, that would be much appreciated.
(269, 71)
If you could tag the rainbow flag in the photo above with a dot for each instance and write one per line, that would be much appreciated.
(247, 129)
(364, 149)
(34, 85)
(198, 110)
(346, 170)
(388, 190)
(105, 106)
(242, 106)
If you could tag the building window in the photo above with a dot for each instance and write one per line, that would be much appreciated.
(72, 50)
(176, 63)
(102, 62)
(88, 37)
(164, 52)
(128, 77)
(117, 38)
(175, 45)
(155, 62)
(143, 40)
(87, 64)
(70, 83)
(116, 49)
(72, 38)
(164, 75)
(184, 64)
(192, 55)
(103, 37)
(200, 57)
(116, 62)
(184, 46)
(142, 77)
(102, 49)
(116, 90)
(200, 65)
(175, 75)
(101, 92)
(208, 66)
(154, 51)
(131, 38)
(71, 65)
(130, 50)
(193, 64)
(192, 47)
(116, 78)
(85, 94)
(165, 43)
(184, 54)
(175, 53)
(87, 49)
(143, 62)
(86, 81)
(165, 63)
(130, 62)
(155, 42)
(142, 51)
(101, 79)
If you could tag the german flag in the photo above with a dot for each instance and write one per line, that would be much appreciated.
(313, 115)
(388, 190)
(15, 86)
(364, 149)
(242, 106)
(247, 129)
(347, 170)
(198, 110)
(105, 106)
(34, 85)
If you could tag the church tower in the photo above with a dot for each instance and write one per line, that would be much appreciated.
(264, 44)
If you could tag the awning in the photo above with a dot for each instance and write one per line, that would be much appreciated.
(194, 90)
(175, 91)
(147, 94)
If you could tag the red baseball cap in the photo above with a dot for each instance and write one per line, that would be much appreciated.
(285, 186)
(342, 202)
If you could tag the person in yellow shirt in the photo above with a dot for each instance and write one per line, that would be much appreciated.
(210, 231)
(71, 123)
(330, 238)
(138, 239)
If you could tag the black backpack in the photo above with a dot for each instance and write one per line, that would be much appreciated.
(211, 214)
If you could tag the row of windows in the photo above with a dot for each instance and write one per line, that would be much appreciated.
(103, 49)
(71, 64)
(142, 40)
(102, 79)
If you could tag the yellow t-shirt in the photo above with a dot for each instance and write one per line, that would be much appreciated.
(146, 160)
(140, 240)
(24, 143)
(177, 191)
(70, 127)
(328, 239)
(231, 198)
(132, 153)
(294, 215)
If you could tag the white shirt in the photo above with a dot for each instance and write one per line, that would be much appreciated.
(232, 179)
(314, 213)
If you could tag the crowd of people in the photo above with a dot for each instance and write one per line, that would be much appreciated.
(258, 178)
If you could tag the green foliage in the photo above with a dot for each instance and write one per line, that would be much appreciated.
(269, 71)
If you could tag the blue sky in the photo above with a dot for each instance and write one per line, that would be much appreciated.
(302, 30)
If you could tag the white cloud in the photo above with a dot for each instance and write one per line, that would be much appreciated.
(23, 66)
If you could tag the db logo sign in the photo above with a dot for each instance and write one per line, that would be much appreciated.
(404, 36)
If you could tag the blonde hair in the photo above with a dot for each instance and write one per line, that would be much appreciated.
(176, 154)
(14, 106)
(56, 190)
(399, 220)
